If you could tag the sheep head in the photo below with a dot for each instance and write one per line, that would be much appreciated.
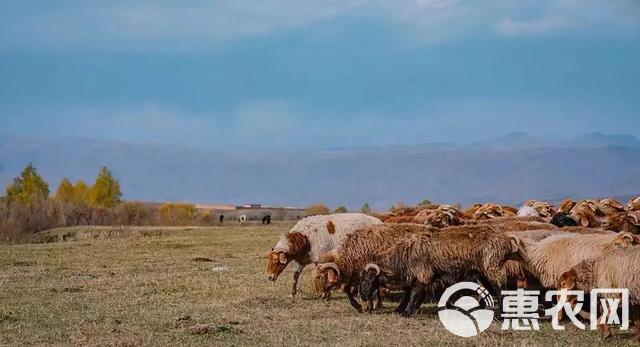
(610, 206)
(566, 205)
(634, 204)
(580, 277)
(277, 261)
(623, 240)
(617, 221)
(586, 215)
(371, 280)
(331, 274)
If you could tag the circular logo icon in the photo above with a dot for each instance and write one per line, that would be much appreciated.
(466, 317)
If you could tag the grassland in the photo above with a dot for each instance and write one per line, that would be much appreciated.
(147, 287)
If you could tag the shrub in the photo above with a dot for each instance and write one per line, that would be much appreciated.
(317, 209)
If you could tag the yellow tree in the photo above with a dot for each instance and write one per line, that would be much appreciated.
(106, 190)
(65, 191)
(81, 192)
(28, 188)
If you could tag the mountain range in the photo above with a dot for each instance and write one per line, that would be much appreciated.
(509, 169)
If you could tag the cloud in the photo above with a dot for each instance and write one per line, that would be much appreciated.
(173, 25)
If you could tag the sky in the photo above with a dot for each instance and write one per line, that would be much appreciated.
(298, 74)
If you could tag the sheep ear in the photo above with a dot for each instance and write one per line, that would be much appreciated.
(584, 222)
(632, 239)
(283, 258)
(568, 280)
(332, 276)
(515, 244)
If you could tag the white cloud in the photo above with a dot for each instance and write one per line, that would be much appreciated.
(173, 25)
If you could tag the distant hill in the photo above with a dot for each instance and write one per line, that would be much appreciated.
(510, 170)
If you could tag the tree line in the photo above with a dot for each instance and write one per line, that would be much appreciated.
(29, 207)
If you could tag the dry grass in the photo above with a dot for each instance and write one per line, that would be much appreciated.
(152, 290)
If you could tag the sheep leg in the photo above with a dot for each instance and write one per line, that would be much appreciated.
(404, 301)
(417, 293)
(379, 302)
(296, 275)
(347, 290)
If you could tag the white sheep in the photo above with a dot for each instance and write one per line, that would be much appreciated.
(311, 237)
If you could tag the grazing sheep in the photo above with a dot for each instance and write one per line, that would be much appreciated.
(610, 206)
(549, 258)
(488, 211)
(266, 219)
(587, 214)
(442, 217)
(528, 211)
(311, 237)
(342, 266)
(634, 204)
(566, 205)
(544, 209)
(621, 221)
(562, 220)
(243, 218)
(508, 211)
(616, 269)
(427, 259)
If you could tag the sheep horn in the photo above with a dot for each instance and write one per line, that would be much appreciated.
(372, 266)
(333, 266)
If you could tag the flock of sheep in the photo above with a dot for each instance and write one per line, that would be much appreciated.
(422, 250)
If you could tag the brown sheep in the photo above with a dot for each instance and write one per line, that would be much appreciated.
(616, 269)
(441, 217)
(566, 205)
(634, 204)
(610, 206)
(549, 258)
(488, 211)
(426, 259)
(544, 209)
(621, 221)
(508, 211)
(587, 214)
(342, 266)
(398, 219)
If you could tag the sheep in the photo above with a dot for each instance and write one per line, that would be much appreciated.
(616, 269)
(544, 209)
(398, 219)
(508, 211)
(566, 205)
(488, 211)
(610, 206)
(243, 218)
(562, 219)
(621, 221)
(549, 258)
(342, 266)
(634, 204)
(587, 214)
(442, 217)
(527, 211)
(427, 259)
(266, 219)
(311, 237)
(515, 223)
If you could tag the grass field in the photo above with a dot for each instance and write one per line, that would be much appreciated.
(149, 289)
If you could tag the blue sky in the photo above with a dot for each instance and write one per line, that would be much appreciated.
(316, 74)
